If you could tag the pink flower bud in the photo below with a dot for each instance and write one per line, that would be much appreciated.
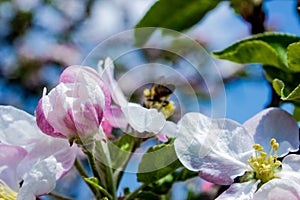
(74, 108)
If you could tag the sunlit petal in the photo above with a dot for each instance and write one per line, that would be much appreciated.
(274, 123)
(217, 148)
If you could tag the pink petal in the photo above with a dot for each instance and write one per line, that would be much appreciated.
(274, 123)
(55, 107)
(116, 117)
(87, 76)
(43, 124)
(162, 137)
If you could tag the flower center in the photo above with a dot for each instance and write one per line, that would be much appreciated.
(6, 193)
(265, 165)
(158, 97)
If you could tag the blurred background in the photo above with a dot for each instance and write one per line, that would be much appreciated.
(39, 38)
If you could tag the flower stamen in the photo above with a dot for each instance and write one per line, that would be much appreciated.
(265, 165)
(6, 193)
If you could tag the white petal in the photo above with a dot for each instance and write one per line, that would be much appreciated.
(278, 189)
(59, 148)
(143, 119)
(240, 191)
(17, 127)
(10, 157)
(107, 73)
(169, 129)
(274, 123)
(290, 168)
(218, 148)
(39, 180)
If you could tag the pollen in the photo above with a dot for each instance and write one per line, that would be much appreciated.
(265, 165)
(6, 193)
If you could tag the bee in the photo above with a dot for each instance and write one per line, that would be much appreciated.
(158, 96)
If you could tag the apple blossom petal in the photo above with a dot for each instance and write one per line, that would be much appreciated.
(55, 107)
(73, 73)
(11, 119)
(290, 168)
(274, 123)
(64, 154)
(43, 124)
(240, 191)
(39, 180)
(86, 76)
(143, 119)
(10, 157)
(116, 117)
(161, 137)
(218, 148)
(107, 73)
(278, 189)
(169, 129)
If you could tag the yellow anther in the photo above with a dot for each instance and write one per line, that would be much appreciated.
(272, 141)
(263, 154)
(256, 164)
(275, 156)
(250, 160)
(258, 147)
(277, 163)
(275, 146)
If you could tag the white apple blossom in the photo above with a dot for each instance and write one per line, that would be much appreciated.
(29, 157)
(222, 149)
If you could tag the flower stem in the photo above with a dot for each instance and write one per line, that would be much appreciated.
(92, 163)
(135, 192)
(104, 191)
(80, 168)
(84, 175)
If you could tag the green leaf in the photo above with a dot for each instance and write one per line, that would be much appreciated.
(293, 56)
(177, 15)
(158, 162)
(286, 95)
(121, 150)
(267, 48)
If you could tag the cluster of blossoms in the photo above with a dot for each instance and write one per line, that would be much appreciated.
(71, 112)
(85, 102)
